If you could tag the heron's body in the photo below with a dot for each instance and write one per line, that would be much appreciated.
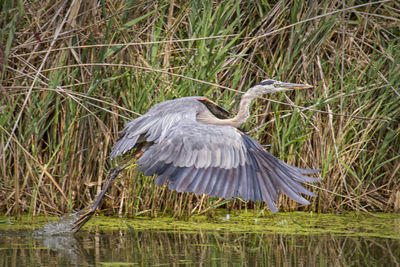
(191, 143)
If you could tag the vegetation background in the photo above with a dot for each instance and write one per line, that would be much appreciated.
(72, 72)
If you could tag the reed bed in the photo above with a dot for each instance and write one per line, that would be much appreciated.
(73, 72)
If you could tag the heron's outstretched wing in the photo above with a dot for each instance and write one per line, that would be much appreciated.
(156, 123)
(221, 161)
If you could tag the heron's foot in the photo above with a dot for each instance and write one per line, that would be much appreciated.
(83, 216)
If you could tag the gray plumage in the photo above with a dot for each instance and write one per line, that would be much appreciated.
(191, 143)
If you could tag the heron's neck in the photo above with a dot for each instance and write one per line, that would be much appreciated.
(243, 112)
(240, 118)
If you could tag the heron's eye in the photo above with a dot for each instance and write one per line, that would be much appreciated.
(275, 85)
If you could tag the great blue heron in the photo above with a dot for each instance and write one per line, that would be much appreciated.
(192, 143)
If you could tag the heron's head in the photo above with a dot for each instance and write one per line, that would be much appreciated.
(272, 86)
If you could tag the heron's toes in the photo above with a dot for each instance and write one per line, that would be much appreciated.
(83, 218)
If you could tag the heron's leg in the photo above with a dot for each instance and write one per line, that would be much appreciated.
(85, 214)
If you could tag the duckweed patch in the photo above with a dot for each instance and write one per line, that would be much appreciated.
(355, 224)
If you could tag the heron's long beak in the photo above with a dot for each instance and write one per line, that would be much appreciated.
(294, 86)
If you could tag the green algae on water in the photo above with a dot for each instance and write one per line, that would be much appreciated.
(385, 225)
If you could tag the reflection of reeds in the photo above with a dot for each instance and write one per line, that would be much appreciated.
(68, 72)
(201, 249)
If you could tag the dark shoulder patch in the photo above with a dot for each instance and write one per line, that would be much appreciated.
(215, 109)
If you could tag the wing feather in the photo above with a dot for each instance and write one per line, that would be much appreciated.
(267, 192)
(200, 186)
(187, 177)
(300, 170)
(220, 182)
(231, 185)
(213, 178)
(194, 183)
(179, 177)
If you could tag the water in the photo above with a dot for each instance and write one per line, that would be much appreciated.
(243, 239)
(203, 248)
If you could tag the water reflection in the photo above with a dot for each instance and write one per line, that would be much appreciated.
(200, 248)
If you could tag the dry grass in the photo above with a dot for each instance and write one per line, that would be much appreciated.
(73, 72)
